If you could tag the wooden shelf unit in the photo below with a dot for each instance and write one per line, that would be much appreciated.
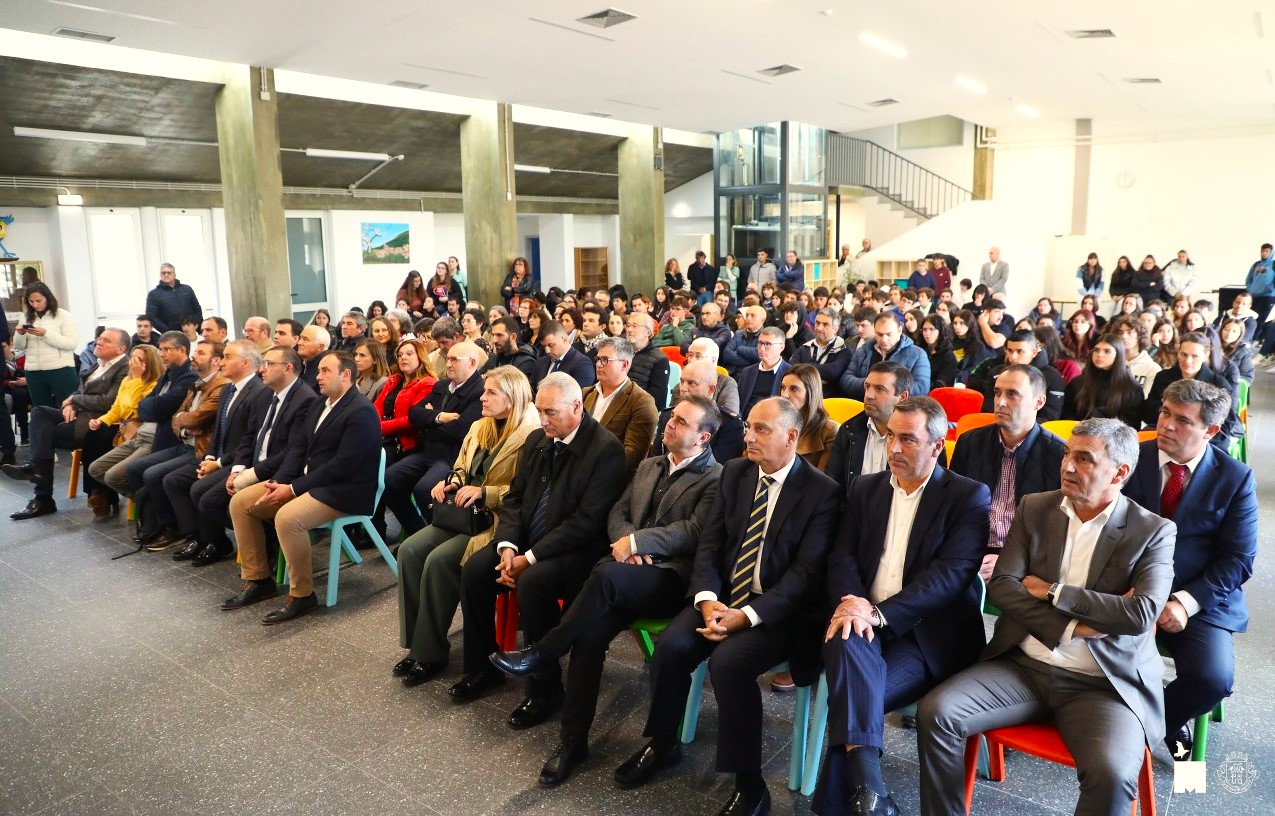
(593, 267)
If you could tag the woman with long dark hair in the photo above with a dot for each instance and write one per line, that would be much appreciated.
(1164, 339)
(936, 339)
(412, 291)
(967, 346)
(1080, 333)
(1105, 390)
(1059, 357)
(1090, 275)
(1090, 302)
(1122, 278)
(518, 284)
(803, 387)
(1236, 349)
(48, 337)
(1148, 280)
(444, 289)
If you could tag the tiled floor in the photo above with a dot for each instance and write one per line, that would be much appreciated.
(124, 690)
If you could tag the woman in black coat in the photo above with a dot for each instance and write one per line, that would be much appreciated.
(936, 339)
(1106, 389)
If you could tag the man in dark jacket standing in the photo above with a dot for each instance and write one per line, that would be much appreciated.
(171, 300)
(702, 276)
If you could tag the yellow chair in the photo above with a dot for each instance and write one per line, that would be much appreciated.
(1060, 427)
(842, 409)
(722, 371)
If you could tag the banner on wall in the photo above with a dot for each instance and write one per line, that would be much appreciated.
(386, 243)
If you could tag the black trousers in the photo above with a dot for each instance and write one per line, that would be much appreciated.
(540, 587)
(49, 432)
(210, 496)
(733, 666)
(1204, 658)
(614, 596)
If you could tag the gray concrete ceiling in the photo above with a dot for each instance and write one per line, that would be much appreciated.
(64, 97)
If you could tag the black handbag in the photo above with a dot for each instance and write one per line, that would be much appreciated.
(471, 520)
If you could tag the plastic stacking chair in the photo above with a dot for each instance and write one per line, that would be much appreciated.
(1146, 436)
(507, 621)
(73, 487)
(957, 402)
(674, 378)
(341, 543)
(1060, 427)
(971, 421)
(842, 409)
(722, 371)
(1043, 740)
(674, 354)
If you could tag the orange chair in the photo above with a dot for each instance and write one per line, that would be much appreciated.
(971, 421)
(675, 354)
(1146, 436)
(957, 402)
(1041, 740)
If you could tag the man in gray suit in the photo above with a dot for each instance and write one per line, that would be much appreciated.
(654, 529)
(994, 274)
(1083, 576)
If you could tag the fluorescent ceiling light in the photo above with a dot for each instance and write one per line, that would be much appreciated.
(971, 85)
(1028, 111)
(80, 136)
(320, 153)
(883, 45)
(532, 168)
(69, 200)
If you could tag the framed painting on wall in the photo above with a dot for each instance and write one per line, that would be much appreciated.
(386, 243)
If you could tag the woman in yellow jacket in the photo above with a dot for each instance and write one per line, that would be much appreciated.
(144, 371)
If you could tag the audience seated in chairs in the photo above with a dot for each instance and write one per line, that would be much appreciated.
(802, 387)
(1022, 347)
(650, 368)
(403, 390)
(699, 380)
(890, 344)
(559, 355)
(727, 392)
(625, 410)
(144, 370)
(763, 380)
(859, 446)
(827, 352)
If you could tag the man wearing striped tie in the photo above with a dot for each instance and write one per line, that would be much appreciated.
(756, 590)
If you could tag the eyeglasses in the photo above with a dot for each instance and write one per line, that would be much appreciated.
(452, 359)
(770, 343)
(273, 362)
(604, 361)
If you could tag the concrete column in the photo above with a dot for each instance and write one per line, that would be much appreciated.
(252, 192)
(1080, 178)
(641, 167)
(487, 181)
(984, 166)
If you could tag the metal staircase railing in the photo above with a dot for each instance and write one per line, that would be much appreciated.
(859, 163)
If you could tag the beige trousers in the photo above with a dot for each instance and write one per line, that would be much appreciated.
(293, 521)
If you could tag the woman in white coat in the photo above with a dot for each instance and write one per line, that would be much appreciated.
(47, 335)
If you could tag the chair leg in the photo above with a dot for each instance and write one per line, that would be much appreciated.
(816, 738)
(690, 720)
(507, 621)
(996, 761)
(338, 542)
(373, 534)
(73, 487)
(1219, 711)
(974, 748)
(800, 729)
(1200, 742)
(645, 643)
(1146, 788)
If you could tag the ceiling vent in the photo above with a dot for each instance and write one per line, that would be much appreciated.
(76, 34)
(607, 18)
(1143, 81)
(403, 83)
(779, 70)
(881, 103)
(1092, 34)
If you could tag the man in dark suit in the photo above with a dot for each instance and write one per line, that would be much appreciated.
(1022, 348)
(902, 577)
(238, 414)
(616, 401)
(699, 379)
(1213, 500)
(1082, 578)
(1193, 356)
(331, 469)
(561, 356)
(859, 446)
(754, 594)
(762, 379)
(67, 427)
(442, 419)
(654, 528)
(552, 530)
(1014, 456)
(650, 369)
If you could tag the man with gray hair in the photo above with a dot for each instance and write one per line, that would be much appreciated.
(727, 394)
(741, 350)
(826, 352)
(698, 381)
(615, 400)
(903, 578)
(650, 369)
(762, 380)
(551, 531)
(311, 346)
(1081, 580)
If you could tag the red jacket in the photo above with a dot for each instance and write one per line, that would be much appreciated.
(411, 394)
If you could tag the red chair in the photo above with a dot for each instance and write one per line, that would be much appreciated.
(507, 612)
(957, 402)
(1041, 740)
(674, 354)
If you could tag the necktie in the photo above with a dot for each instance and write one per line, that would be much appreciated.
(223, 408)
(742, 576)
(1172, 490)
(265, 428)
(540, 517)
(553, 366)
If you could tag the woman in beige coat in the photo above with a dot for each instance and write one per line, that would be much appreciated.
(429, 561)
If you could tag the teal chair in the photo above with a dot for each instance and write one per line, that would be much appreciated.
(341, 543)
(674, 379)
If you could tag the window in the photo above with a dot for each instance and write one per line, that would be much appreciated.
(115, 256)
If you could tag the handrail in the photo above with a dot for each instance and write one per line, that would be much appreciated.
(859, 163)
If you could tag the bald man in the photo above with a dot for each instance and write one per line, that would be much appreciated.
(256, 330)
(704, 350)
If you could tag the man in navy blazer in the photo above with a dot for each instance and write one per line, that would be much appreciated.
(1216, 514)
(762, 379)
(560, 355)
(331, 469)
(755, 594)
(903, 579)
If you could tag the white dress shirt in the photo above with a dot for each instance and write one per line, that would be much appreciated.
(903, 506)
(602, 403)
(875, 458)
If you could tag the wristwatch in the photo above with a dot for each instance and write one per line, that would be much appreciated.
(877, 620)
(1052, 594)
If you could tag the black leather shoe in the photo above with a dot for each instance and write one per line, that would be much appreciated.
(422, 673)
(742, 804)
(472, 686)
(401, 668)
(211, 554)
(523, 663)
(292, 608)
(1180, 744)
(165, 540)
(867, 802)
(639, 768)
(534, 710)
(253, 592)
(24, 472)
(571, 752)
(192, 549)
(34, 509)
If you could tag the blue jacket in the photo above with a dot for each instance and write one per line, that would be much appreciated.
(741, 350)
(1261, 278)
(794, 276)
(1217, 531)
(160, 405)
(905, 353)
(747, 379)
(576, 363)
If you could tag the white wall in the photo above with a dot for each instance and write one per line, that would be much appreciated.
(688, 221)
(449, 239)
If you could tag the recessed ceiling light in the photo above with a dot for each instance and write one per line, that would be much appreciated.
(76, 34)
(403, 83)
(1143, 80)
(883, 45)
(1092, 34)
(881, 103)
(971, 85)
(778, 70)
(1028, 111)
(607, 18)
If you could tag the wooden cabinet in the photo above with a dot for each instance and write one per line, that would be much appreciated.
(592, 267)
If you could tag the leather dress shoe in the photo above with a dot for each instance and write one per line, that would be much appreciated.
(165, 540)
(557, 768)
(639, 768)
(292, 608)
(193, 548)
(253, 592)
(1180, 744)
(472, 686)
(24, 472)
(211, 554)
(420, 673)
(867, 802)
(534, 710)
(743, 804)
(35, 508)
(402, 667)
(523, 663)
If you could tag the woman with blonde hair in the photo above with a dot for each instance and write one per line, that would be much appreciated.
(430, 560)
(144, 370)
(386, 332)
